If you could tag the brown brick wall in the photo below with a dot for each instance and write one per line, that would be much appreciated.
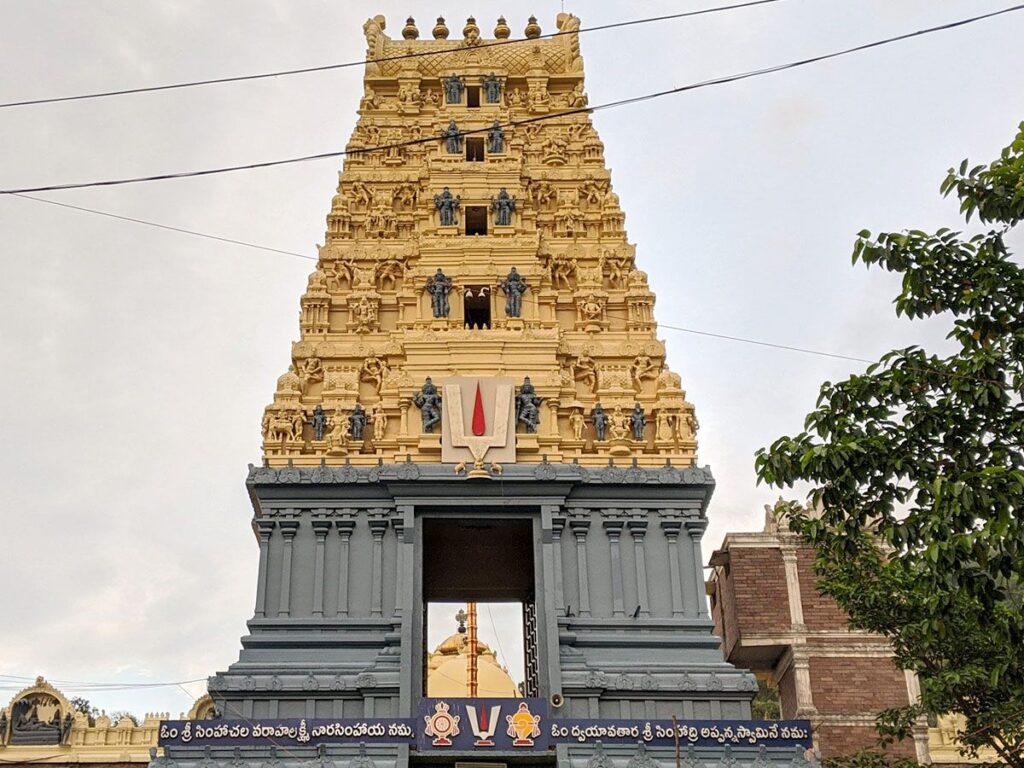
(759, 589)
(820, 612)
(838, 740)
(847, 686)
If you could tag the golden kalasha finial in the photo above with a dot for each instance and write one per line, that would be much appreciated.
(409, 31)
(471, 32)
(440, 30)
(532, 28)
(502, 31)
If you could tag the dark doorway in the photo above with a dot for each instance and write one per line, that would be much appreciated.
(477, 306)
(487, 562)
(475, 149)
(476, 220)
(473, 96)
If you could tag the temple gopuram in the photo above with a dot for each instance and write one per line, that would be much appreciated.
(478, 409)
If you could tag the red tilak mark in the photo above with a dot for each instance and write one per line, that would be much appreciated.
(483, 710)
(478, 414)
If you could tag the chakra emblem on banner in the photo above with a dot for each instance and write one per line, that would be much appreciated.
(523, 726)
(484, 724)
(442, 725)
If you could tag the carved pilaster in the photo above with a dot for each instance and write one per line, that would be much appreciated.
(288, 531)
(264, 528)
(613, 529)
(399, 523)
(638, 530)
(345, 527)
(695, 529)
(321, 527)
(671, 529)
(378, 527)
(557, 526)
(580, 526)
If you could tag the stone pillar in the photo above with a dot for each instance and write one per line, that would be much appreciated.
(264, 529)
(671, 529)
(695, 529)
(638, 529)
(288, 530)
(321, 527)
(345, 527)
(613, 529)
(557, 526)
(378, 526)
(580, 526)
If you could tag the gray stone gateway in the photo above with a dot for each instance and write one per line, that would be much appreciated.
(605, 561)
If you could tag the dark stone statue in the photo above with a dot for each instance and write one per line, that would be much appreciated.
(492, 89)
(503, 205)
(439, 285)
(513, 287)
(528, 406)
(452, 139)
(3, 727)
(495, 138)
(319, 422)
(357, 422)
(27, 728)
(637, 422)
(447, 204)
(600, 419)
(428, 400)
(453, 86)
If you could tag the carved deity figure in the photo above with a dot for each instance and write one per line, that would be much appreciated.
(585, 370)
(453, 86)
(513, 286)
(495, 138)
(563, 271)
(374, 370)
(341, 431)
(319, 422)
(664, 425)
(577, 423)
(619, 424)
(492, 89)
(577, 99)
(637, 422)
(528, 406)
(357, 422)
(600, 419)
(503, 205)
(439, 285)
(312, 369)
(379, 417)
(447, 204)
(642, 368)
(515, 98)
(428, 400)
(452, 139)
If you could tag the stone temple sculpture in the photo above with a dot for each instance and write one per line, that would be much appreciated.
(514, 286)
(428, 400)
(528, 406)
(439, 286)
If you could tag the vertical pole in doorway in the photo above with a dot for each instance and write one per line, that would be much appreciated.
(471, 632)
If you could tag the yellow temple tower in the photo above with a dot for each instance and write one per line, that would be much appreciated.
(475, 232)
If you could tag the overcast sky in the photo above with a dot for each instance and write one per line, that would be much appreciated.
(137, 362)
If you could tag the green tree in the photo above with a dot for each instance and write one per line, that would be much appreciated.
(916, 470)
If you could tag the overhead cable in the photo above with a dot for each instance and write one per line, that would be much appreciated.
(514, 123)
(379, 60)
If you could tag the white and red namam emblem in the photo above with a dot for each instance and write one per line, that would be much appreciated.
(442, 725)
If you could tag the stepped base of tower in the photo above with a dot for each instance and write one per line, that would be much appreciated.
(617, 637)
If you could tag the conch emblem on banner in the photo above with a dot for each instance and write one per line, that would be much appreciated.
(484, 725)
(523, 726)
(442, 725)
(479, 442)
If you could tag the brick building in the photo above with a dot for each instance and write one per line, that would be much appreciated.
(773, 620)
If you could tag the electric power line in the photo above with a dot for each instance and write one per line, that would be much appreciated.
(181, 230)
(380, 60)
(515, 123)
